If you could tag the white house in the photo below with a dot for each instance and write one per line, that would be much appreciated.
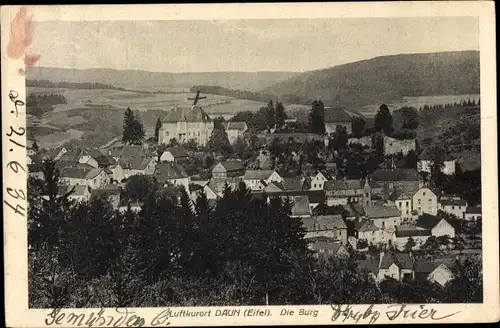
(433, 271)
(385, 216)
(398, 266)
(402, 202)
(117, 172)
(94, 177)
(425, 161)
(453, 205)
(473, 213)
(318, 180)
(174, 154)
(335, 118)
(253, 178)
(235, 130)
(329, 226)
(436, 225)
(138, 165)
(171, 173)
(367, 230)
(403, 233)
(425, 201)
(80, 193)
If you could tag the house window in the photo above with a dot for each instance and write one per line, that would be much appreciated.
(419, 202)
(407, 203)
(424, 193)
(453, 207)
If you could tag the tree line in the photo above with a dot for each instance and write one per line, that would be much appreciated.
(464, 103)
(39, 104)
(241, 250)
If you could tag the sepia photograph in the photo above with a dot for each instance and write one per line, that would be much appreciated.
(251, 162)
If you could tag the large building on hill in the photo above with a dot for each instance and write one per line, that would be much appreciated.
(184, 124)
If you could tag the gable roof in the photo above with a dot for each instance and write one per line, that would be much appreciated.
(473, 210)
(80, 190)
(453, 202)
(410, 231)
(382, 211)
(325, 243)
(402, 260)
(427, 155)
(177, 152)
(290, 183)
(343, 185)
(398, 195)
(185, 114)
(324, 222)
(137, 162)
(336, 115)
(257, 174)
(429, 221)
(242, 126)
(425, 266)
(101, 159)
(366, 225)
(398, 174)
(232, 165)
(169, 171)
(109, 190)
(74, 172)
(301, 206)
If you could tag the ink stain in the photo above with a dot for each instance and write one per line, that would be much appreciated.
(21, 36)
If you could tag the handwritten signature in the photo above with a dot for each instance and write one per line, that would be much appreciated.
(393, 312)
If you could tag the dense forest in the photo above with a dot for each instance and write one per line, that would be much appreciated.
(241, 251)
(39, 104)
(386, 78)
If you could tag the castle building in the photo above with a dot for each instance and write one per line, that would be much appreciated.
(184, 124)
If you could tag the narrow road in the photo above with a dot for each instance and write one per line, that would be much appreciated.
(112, 141)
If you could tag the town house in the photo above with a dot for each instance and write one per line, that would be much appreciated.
(473, 213)
(229, 169)
(110, 192)
(385, 216)
(318, 180)
(172, 173)
(398, 266)
(342, 192)
(453, 205)
(329, 226)
(433, 271)
(403, 232)
(402, 202)
(92, 177)
(235, 130)
(406, 180)
(438, 226)
(174, 154)
(425, 201)
(254, 178)
(425, 161)
(337, 117)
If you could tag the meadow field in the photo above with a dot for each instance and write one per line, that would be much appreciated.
(96, 115)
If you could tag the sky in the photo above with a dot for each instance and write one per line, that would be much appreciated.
(244, 45)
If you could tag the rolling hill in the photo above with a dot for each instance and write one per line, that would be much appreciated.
(159, 81)
(385, 79)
